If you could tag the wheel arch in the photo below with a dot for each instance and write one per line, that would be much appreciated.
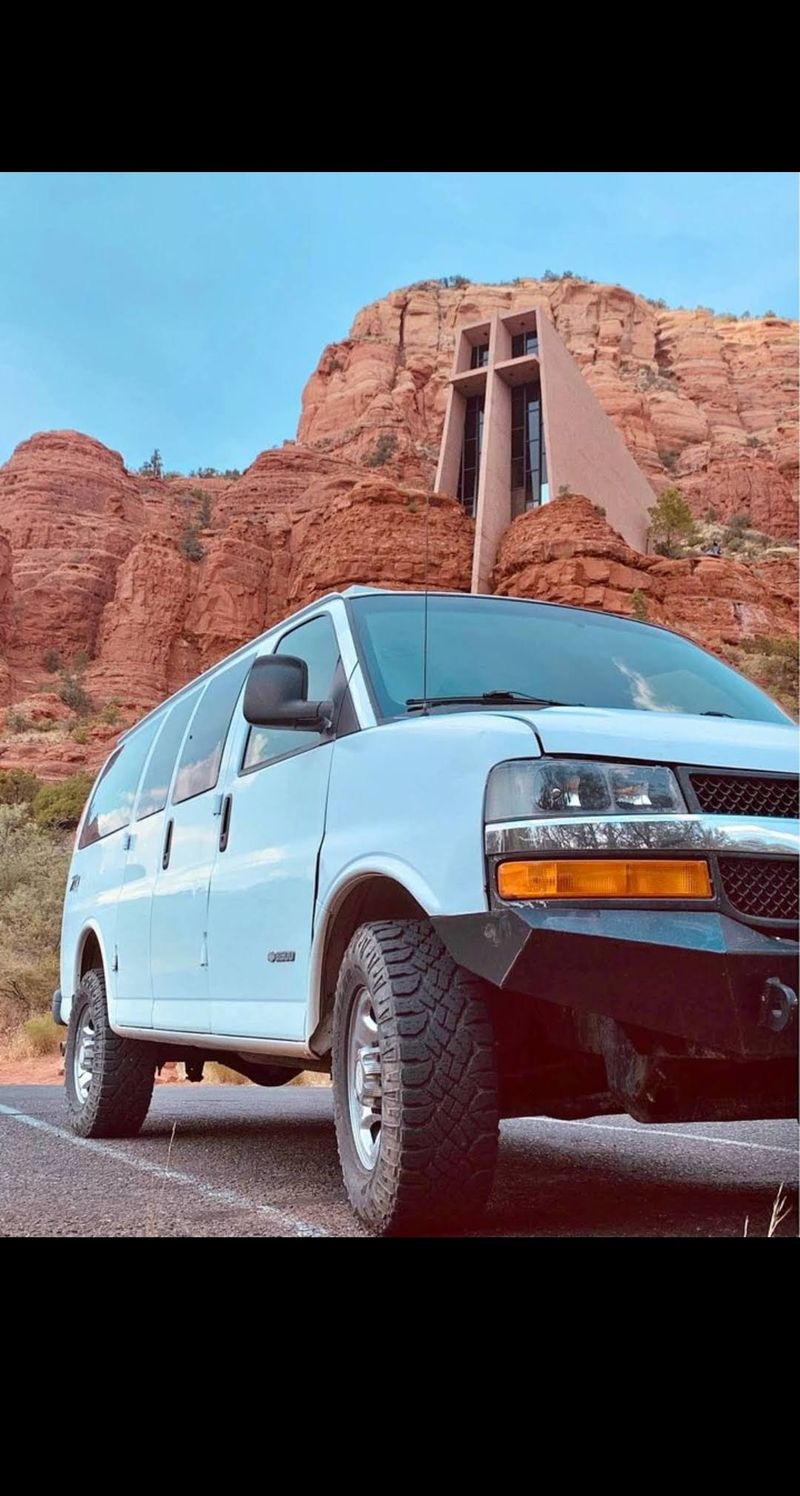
(370, 894)
(89, 952)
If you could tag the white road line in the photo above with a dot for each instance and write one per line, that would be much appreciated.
(293, 1224)
(654, 1132)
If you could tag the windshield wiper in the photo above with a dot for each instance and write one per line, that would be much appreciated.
(487, 698)
(716, 714)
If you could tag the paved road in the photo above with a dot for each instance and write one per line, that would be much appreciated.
(251, 1162)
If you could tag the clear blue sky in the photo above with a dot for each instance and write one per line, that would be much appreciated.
(185, 311)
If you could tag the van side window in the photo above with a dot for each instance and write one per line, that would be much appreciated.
(158, 774)
(115, 791)
(201, 756)
(316, 643)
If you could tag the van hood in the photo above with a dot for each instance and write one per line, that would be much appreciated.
(666, 737)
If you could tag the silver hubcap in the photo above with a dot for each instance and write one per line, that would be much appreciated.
(83, 1063)
(364, 1079)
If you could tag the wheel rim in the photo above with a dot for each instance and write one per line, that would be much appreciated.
(364, 1079)
(83, 1062)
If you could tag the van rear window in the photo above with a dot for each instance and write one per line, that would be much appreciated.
(112, 798)
(201, 754)
(158, 774)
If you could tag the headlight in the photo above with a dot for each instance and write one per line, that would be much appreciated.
(525, 788)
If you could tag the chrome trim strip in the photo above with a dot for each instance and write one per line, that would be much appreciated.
(766, 836)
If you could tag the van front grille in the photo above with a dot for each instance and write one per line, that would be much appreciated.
(746, 795)
(761, 887)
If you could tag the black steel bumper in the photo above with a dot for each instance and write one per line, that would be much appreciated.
(702, 977)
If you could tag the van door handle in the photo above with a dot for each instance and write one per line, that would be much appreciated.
(167, 844)
(225, 823)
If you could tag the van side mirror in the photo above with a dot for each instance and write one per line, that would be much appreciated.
(276, 695)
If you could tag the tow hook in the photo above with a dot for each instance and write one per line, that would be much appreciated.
(778, 1005)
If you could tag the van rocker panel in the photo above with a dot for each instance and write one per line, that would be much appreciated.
(698, 976)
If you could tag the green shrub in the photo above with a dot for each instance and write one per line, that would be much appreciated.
(42, 1034)
(153, 467)
(79, 734)
(562, 275)
(672, 522)
(385, 448)
(189, 543)
(669, 460)
(770, 313)
(51, 660)
(639, 606)
(204, 507)
(80, 661)
(59, 806)
(33, 872)
(110, 712)
(71, 691)
(16, 721)
(738, 523)
(212, 472)
(455, 282)
(18, 787)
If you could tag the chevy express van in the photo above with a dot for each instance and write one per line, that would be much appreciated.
(476, 856)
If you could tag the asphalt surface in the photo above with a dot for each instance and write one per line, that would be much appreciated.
(243, 1161)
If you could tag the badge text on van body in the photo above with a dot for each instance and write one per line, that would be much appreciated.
(281, 955)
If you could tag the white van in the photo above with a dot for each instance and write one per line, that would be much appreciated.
(477, 856)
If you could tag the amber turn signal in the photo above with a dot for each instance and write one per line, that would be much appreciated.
(604, 878)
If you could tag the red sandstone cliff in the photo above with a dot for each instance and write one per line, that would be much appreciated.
(566, 553)
(707, 402)
(91, 556)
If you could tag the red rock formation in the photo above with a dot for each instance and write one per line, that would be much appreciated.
(707, 402)
(5, 616)
(566, 553)
(67, 506)
(93, 559)
(383, 535)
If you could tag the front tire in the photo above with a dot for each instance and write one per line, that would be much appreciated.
(109, 1080)
(414, 1082)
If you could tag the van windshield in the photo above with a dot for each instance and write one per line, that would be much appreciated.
(479, 645)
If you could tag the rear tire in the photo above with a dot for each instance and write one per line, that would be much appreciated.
(109, 1080)
(414, 1082)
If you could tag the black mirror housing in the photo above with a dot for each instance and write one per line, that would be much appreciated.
(276, 695)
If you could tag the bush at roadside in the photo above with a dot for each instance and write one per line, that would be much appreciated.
(33, 872)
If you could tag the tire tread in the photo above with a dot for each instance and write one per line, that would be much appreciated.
(440, 1112)
(118, 1105)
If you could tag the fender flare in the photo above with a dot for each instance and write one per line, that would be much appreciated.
(90, 928)
(395, 870)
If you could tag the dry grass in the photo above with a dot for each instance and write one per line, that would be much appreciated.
(222, 1075)
(40, 1035)
(33, 870)
(781, 1209)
